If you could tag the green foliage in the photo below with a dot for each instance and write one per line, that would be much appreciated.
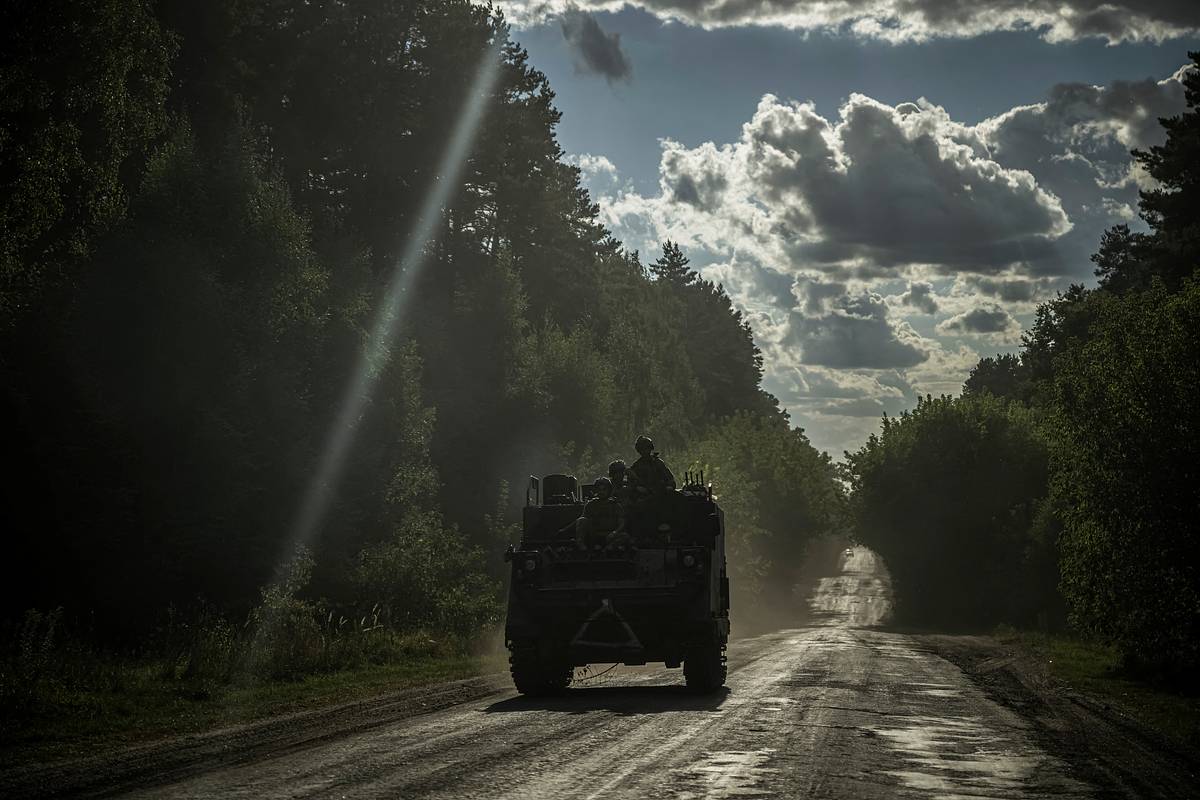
(29, 661)
(82, 93)
(1129, 431)
(948, 494)
(1097, 669)
(718, 341)
(233, 232)
(1173, 250)
(285, 639)
(672, 267)
(189, 344)
(201, 672)
(428, 576)
(778, 495)
(1113, 371)
(1122, 260)
(1002, 376)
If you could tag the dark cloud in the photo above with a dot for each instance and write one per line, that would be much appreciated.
(1011, 290)
(817, 293)
(1057, 19)
(695, 177)
(857, 334)
(893, 187)
(867, 196)
(1091, 128)
(1077, 144)
(595, 51)
(979, 321)
(1136, 105)
(917, 20)
(921, 297)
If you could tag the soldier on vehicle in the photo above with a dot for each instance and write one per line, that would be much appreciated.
(603, 518)
(649, 477)
(619, 475)
(650, 486)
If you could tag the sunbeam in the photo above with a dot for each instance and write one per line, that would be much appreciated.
(393, 307)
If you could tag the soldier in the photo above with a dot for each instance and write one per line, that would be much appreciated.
(649, 477)
(650, 484)
(618, 474)
(602, 517)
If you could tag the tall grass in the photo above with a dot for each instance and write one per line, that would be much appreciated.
(48, 670)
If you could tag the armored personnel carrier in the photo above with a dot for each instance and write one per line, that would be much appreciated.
(661, 595)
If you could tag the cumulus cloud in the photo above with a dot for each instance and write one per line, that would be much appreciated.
(1079, 138)
(596, 52)
(815, 294)
(880, 189)
(990, 320)
(1077, 144)
(944, 371)
(905, 191)
(858, 407)
(920, 296)
(593, 165)
(857, 334)
(911, 20)
(837, 235)
(753, 286)
(839, 408)
(598, 173)
(695, 177)
(894, 186)
(1008, 290)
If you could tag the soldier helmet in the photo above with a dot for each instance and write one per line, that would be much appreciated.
(616, 467)
(603, 485)
(644, 444)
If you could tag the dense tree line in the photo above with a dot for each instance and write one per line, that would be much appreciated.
(952, 495)
(203, 206)
(1073, 464)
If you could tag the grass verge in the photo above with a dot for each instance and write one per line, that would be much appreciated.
(136, 704)
(1097, 671)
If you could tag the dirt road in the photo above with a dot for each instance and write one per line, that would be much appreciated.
(836, 710)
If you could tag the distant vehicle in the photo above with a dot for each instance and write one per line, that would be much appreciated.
(663, 599)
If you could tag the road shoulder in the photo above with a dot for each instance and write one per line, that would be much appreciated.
(1108, 748)
(176, 758)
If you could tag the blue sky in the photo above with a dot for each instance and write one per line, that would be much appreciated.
(887, 194)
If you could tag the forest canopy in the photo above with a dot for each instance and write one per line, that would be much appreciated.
(203, 208)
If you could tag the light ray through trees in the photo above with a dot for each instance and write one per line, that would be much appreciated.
(393, 308)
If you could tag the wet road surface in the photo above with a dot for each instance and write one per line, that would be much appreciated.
(835, 710)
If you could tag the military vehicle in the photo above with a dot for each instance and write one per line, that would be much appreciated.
(661, 595)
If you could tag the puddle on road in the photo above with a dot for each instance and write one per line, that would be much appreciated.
(929, 735)
(959, 757)
(726, 773)
(775, 703)
(936, 689)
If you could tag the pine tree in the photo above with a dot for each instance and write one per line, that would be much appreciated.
(672, 266)
(1171, 209)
